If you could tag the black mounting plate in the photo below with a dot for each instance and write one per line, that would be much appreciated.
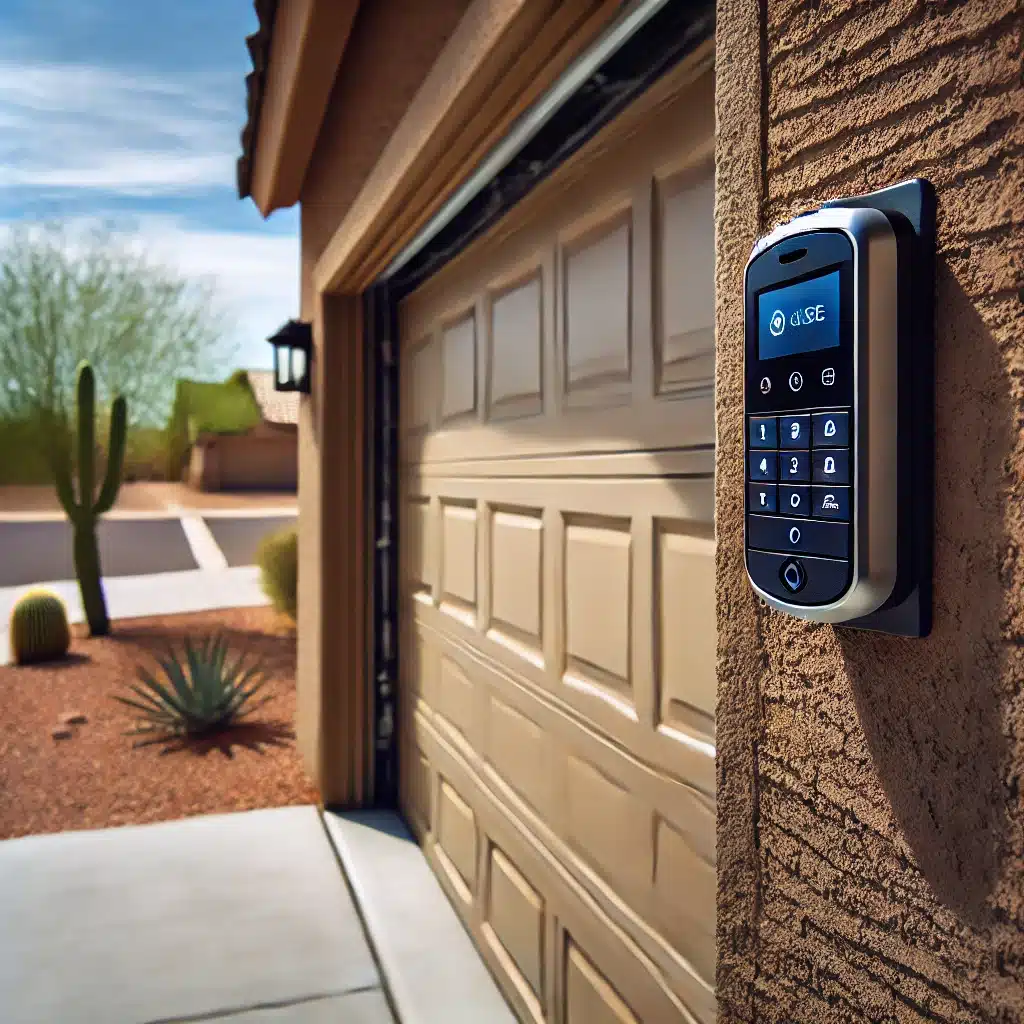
(910, 208)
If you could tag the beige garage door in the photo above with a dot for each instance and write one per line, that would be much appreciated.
(558, 631)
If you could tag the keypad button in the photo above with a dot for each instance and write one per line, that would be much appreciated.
(764, 432)
(763, 466)
(825, 579)
(830, 503)
(795, 467)
(831, 429)
(830, 466)
(794, 431)
(763, 497)
(798, 536)
(794, 501)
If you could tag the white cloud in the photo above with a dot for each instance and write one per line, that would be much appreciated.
(255, 275)
(92, 128)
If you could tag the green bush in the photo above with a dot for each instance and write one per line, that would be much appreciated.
(24, 459)
(278, 559)
(39, 628)
(201, 692)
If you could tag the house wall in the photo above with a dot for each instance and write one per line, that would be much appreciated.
(871, 825)
(393, 46)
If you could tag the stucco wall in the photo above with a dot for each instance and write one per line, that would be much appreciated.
(871, 821)
(393, 46)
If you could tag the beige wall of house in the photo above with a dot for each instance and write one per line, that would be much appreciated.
(871, 827)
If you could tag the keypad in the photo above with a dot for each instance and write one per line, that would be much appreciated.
(800, 501)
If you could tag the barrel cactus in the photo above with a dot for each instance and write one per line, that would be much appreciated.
(39, 628)
(84, 510)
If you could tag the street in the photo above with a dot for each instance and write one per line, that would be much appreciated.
(40, 551)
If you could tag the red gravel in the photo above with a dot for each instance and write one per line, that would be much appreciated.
(97, 778)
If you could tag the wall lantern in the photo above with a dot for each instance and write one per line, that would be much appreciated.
(293, 347)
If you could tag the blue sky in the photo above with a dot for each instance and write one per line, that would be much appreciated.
(130, 113)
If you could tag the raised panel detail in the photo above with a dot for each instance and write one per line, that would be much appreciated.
(456, 698)
(515, 911)
(516, 578)
(519, 752)
(456, 836)
(416, 543)
(687, 629)
(610, 828)
(589, 997)
(598, 601)
(422, 387)
(458, 556)
(597, 306)
(458, 359)
(685, 283)
(416, 773)
(684, 889)
(515, 366)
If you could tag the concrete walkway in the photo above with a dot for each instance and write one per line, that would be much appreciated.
(244, 916)
(239, 917)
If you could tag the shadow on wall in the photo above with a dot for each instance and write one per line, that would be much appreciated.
(931, 709)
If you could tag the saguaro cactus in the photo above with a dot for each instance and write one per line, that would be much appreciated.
(84, 511)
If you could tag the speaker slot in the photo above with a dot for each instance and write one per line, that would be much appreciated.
(792, 256)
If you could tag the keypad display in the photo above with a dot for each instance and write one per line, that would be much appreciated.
(800, 493)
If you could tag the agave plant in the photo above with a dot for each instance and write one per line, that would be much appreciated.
(201, 692)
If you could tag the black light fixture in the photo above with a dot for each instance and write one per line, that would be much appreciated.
(293, 349)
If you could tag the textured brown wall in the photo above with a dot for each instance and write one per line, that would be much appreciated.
(871, 824)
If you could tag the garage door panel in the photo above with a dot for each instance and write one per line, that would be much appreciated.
(677, 750)
(651, 978)
(557, 549)
(528, 735)
(684, 280)
(515, 360)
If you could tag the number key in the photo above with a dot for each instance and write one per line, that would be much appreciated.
(763, 466)
(764, 432)
(795, 431)
(762, 497)
(795, 467)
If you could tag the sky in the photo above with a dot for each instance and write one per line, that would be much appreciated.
(129, 114)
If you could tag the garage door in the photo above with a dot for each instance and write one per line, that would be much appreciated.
(558, 623)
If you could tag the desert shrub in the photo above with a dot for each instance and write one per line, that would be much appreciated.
(24, 458)
(201, 691)
(278, 559)
(39, 628)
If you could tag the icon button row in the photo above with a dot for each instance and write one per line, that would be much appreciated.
(796, 380)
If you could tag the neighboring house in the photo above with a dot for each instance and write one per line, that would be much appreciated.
(240, 434)
(524, 615)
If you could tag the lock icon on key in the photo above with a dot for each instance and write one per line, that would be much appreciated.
(830, 464)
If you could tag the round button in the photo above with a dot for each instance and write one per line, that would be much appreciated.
(796, 381)
(792, 575)
(766, 385)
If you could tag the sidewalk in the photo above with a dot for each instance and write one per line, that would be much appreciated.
(166, 593)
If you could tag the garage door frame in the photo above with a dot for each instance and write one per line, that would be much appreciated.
(673, 31)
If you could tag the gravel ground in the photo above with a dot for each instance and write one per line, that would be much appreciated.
(96, 778)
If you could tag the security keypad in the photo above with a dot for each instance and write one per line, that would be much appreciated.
(800, 499)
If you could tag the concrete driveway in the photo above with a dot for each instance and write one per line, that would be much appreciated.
(245, 918)
(39, 550)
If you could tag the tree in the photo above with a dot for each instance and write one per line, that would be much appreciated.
(95, 296)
